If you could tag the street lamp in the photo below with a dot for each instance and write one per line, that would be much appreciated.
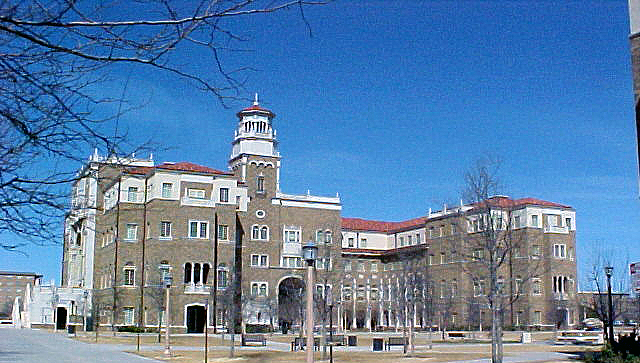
(330, 303)
(310, 253)
(608, 271)
(167, 280)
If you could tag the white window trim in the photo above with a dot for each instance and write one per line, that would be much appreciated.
(259, 265)
(291, 229)
(562, 248)
(135, 233)
(260, 227)
(124, 271)
(259, 284)
(227, 236)
(533, 282)
(228, 201)
(170, 236)
(162, 195)
(198, 229)
(133, 315)
(193, 193)
(282, 264)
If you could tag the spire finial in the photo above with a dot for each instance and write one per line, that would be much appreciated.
(255, 100)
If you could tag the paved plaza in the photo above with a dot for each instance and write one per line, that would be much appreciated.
(40, 346)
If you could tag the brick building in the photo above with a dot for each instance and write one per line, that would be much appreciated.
(234, 238)
(12, 285)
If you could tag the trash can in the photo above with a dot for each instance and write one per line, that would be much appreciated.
(71, 329)
(378, 344)
(352, 340)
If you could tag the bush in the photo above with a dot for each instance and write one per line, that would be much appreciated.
(135, 329)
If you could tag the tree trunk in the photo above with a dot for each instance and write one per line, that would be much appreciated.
(496, 336)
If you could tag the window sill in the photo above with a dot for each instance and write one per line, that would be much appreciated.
(169, 238)
(130, 240)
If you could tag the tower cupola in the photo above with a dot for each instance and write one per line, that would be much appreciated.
(254, 134)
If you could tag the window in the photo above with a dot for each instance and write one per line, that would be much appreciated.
(346, 293)
(319, 236)
(430, 232)
(401, 241)
(430, 260)
(559, 251)
(264, 233)
(363, 243)
(128, 315)
(129, 276)
(323, 263)
(165, 229)
(568, 223)
(453, 229)
(499, 222)
(195, 193)
(560, 284)
(291, 261)
(223, 232)
(537, 317)
(443, 257)
(570, 253)
(322, 290)
(534, 220)
(260, 184)
(132, 194)
(417, 239)
(347, 266)
(224, 195)
(441, 231)
(187, 272)
(223, 276)
(198, 229)
(374, 293)
(132, 232)
(259, 260)
(443, 288)
(259, 288)
(477, 288)
(374, 267)
(350, 241)
(361, 267)
(478, 254)
(454, 287)
(409, 240)
(536, 288)
(167, 189)
(360, 293)
(327, 237)
(255, 232)
(292, 235)
(535, 251)
(516, 222)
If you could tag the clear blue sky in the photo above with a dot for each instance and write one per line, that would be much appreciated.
(390, 101)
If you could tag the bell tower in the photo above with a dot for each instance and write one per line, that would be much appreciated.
(254, 150)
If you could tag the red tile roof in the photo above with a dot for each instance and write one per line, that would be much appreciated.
(506, 202)
(358, 224)
(256, 108)
(187, 166)
(181, 166)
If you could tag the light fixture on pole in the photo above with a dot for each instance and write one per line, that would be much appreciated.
(330, 303)
(310, 253)
(167, 280)
(609, 271)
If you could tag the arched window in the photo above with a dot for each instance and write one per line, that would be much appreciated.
(264, 232)
(187, 272)
(205, 273)
(255, 232)
(196, 273)
(327, 237)
(319, 236)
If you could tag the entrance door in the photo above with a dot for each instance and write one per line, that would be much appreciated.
(61, 318)
(196, 319)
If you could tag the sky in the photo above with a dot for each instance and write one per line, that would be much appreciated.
(388, 103)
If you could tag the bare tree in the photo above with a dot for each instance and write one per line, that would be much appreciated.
(57, 61)
(493, 239)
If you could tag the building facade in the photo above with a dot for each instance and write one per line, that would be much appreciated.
(233, 239)
(13, 285)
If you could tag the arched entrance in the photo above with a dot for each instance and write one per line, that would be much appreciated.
(196, 319)
(290, 302)
(61, 318)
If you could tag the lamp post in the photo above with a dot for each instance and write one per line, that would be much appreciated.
(85, 295)
(167, 280)
(330, 303)
(608, 271)
(310, 253)
(206, 331)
